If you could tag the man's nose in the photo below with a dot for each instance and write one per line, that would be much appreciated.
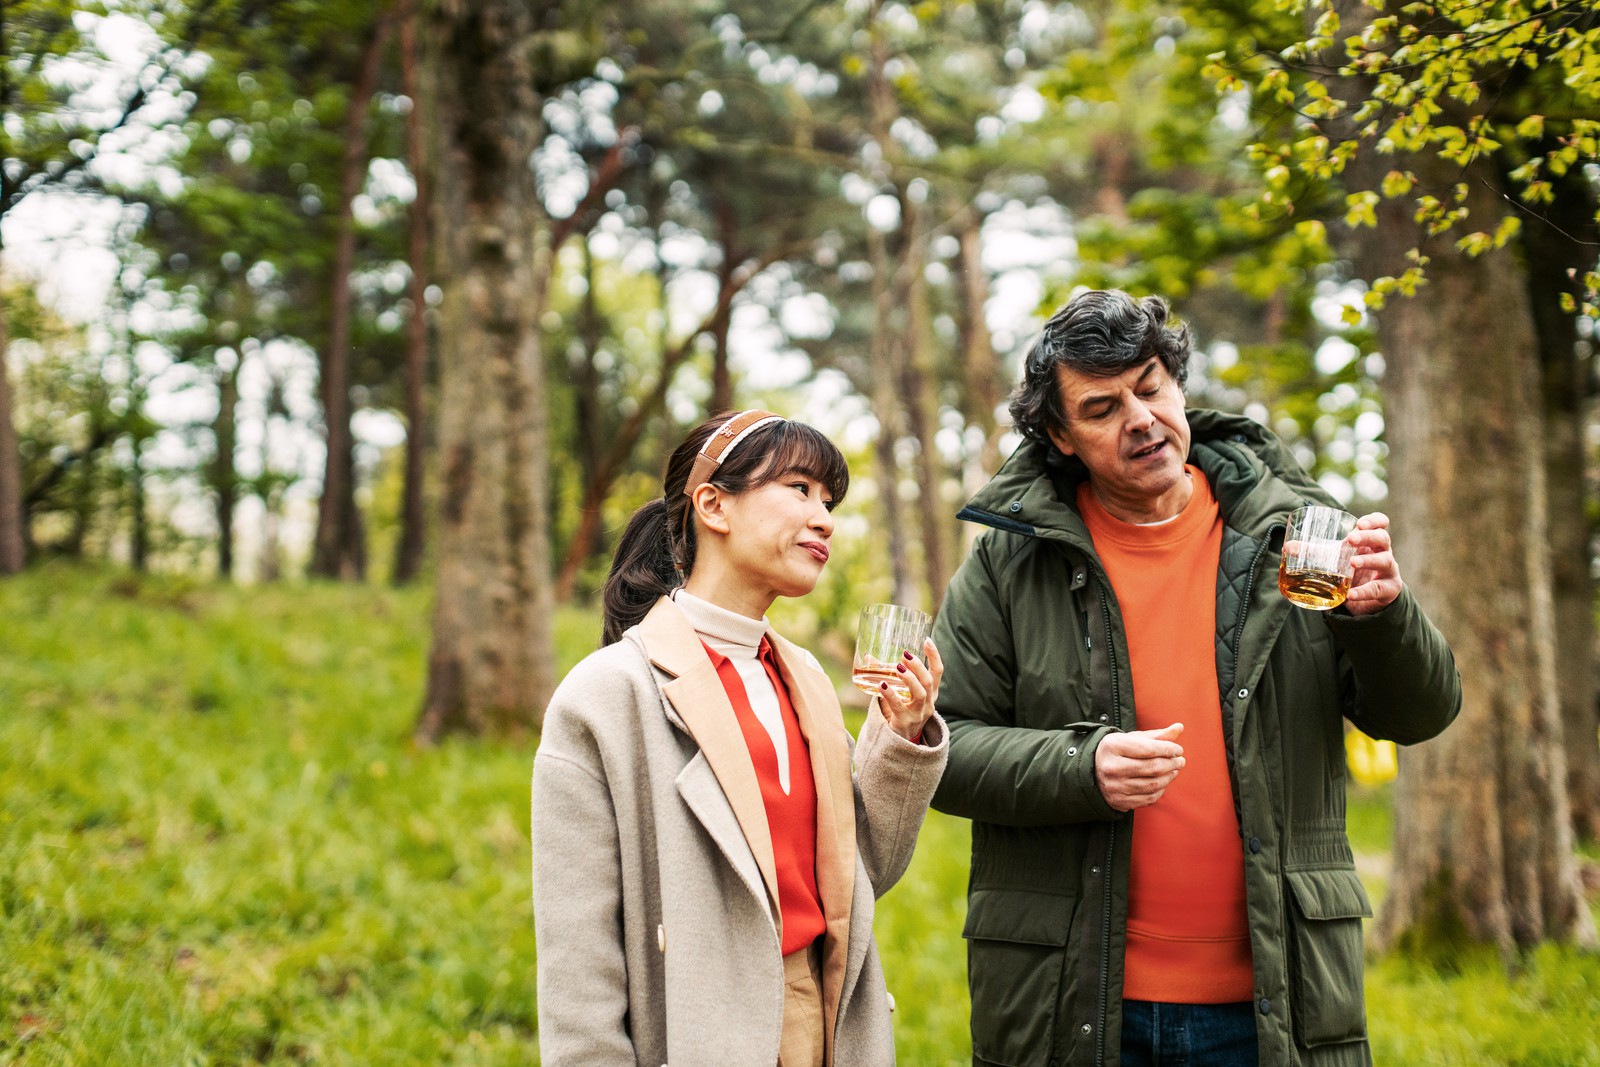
(1140, 417)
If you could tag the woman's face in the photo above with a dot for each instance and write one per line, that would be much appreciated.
(778, 534)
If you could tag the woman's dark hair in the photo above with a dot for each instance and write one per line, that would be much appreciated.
(1102, 332)
(657, 549)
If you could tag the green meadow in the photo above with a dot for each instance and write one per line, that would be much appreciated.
(218, 845)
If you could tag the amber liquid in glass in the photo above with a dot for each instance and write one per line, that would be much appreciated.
(1317, 590)
(867, 677)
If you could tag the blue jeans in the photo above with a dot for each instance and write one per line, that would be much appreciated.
(1188, 1035)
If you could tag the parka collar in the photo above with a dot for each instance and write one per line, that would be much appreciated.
(1035, 491)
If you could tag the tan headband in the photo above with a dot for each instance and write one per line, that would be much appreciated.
(719, 444)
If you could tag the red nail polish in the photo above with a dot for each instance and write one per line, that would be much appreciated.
(907, 655)
(901, 667)
(884, 686)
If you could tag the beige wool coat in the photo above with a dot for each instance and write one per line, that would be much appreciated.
(653, 874)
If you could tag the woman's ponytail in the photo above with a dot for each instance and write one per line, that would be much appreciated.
(642, 571)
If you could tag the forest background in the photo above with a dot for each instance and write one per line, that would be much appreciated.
(340, 340)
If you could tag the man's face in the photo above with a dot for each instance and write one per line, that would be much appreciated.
(1131, 432)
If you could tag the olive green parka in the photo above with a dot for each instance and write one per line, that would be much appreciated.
(1036, 673)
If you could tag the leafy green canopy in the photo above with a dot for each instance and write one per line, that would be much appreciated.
(1517, 80)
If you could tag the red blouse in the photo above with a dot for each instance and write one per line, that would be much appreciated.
(791, 816)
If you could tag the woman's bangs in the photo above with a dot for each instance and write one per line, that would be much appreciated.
(795, 446)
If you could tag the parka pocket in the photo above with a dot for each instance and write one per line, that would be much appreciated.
(1326, 961)
(1016, 948)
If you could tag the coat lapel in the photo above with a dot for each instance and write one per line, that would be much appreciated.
(697, 696)
(817, 708)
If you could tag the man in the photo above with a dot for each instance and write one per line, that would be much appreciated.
(1147, 736)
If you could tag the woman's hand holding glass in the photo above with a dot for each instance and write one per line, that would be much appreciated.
(908, 715)
(886, 665)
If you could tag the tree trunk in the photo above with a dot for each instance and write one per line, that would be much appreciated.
(980, 367)
(1559, 247)
(83, 496)
(13, 541)
(721, 376)
(339, 551)
(139, 536)
(886, 408)
(588, 404)
(492, 664)
(588, 409)
(413, 518)
(224, 476)
(1483, 841)
(885, 386)
(920, 389)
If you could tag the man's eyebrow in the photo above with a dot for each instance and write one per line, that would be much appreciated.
(1096, 398)
(1091, 400)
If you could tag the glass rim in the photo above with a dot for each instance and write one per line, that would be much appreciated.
(887, 610)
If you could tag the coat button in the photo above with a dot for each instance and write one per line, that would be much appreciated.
(1255, 845)
(891, 1000)
(1094, 870)
(1243, 693)
(1104, 718)
(1086, 1028)
(1016, 506)
(1265, 1006)
(1072, 751)
(661, 937)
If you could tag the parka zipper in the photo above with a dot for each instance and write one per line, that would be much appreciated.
(1111, 844)
(1228, 697)
(1244, 605)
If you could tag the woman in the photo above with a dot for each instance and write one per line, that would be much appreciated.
(704, 860)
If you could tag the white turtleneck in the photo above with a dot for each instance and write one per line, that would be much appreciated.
(739, 638)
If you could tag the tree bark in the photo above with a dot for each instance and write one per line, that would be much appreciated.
(492, 666)
(139, 536)
(586, 379)
(886, 408)
(413, 516)
(721, 376)
(339, 551)
(1483, 841)
(980, 367)
(1559, 247)
(83, 504)
(886, 405)
(224, 476)
(13, 540)
(920, 390)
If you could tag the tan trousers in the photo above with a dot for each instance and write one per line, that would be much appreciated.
(801, 1044)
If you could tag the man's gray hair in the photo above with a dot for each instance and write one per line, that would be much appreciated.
(1102, 333)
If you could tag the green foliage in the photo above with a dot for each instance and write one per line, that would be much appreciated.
(54, 65)
(76, 393)
(1514, 81)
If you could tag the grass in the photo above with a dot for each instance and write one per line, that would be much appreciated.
(218, 846)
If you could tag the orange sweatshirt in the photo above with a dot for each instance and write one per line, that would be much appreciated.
(1188, 941)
